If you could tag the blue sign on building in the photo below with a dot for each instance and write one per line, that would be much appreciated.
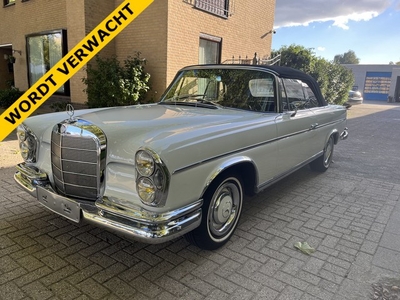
(377, 85)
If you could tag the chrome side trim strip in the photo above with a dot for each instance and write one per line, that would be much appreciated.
(330, 123)
(182, 169)
(237, 151)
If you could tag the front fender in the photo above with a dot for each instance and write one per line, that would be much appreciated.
(240, 163)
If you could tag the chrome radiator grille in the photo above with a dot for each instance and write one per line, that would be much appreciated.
(78, 159)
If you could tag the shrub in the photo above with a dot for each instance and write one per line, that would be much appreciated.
(110, 84)
(9, 96)
(334, 79)
(58, 106)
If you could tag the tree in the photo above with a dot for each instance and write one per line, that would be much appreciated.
(334, 80)
(348, 57)
(295, 56)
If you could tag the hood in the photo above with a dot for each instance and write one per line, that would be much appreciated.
(163, 128)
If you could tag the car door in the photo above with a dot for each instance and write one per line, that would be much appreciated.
(295, 126)
(328, 119)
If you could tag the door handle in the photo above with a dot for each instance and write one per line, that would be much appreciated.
(313, 126)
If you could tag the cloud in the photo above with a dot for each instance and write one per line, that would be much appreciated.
(321, 48)
(340, 12)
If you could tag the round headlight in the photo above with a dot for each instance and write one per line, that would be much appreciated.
(146, 190)
(25, 151)
(27, 143)
(21, 133)
(144, 163)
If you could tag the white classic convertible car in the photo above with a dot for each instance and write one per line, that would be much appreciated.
(183, 165)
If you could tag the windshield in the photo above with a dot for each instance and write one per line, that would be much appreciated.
(229, 88)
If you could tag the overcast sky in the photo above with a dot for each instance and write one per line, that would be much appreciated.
(371, 28)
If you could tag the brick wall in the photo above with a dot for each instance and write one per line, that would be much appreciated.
(167, 33)
(26, 18)
(77, 16)
(82, 18)
(148, 35)
(242, 33)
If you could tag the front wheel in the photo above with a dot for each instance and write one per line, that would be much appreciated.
(323, 162)
(220, 213)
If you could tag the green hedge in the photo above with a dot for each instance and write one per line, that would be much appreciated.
(8, 97)
(112, 83)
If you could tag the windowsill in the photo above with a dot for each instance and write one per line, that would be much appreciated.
(9, 4)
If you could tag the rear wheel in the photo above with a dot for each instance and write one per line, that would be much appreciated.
(323, 162)
(220, 213)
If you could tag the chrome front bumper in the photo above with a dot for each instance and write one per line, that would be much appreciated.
(139, 224)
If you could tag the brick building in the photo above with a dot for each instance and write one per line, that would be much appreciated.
(169, 33)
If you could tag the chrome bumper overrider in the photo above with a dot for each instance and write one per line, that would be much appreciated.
(140, 224)
(345, 134)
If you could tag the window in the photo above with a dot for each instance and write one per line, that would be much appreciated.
(209, 49)
(8, 2)
(299, 95)
(217, 7)
(44, 51)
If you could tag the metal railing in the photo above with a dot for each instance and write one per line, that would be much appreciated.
(254, 61)
(222, 8)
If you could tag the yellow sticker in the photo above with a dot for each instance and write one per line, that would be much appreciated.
(84, 51)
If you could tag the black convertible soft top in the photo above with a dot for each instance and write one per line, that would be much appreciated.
(283, 72)
(287, 72)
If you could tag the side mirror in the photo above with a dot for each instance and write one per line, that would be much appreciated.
(295, 111)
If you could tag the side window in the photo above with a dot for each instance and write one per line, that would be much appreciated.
(249, 90)
(283, 97)
(299, 95)
(262, 94)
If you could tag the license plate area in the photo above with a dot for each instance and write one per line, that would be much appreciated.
(59, 204)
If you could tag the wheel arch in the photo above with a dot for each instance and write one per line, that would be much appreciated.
(239, 165)
(335, 134)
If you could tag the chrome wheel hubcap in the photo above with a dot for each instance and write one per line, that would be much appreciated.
(224, 209)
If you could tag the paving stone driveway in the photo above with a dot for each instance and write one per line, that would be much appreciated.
(350, 214)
